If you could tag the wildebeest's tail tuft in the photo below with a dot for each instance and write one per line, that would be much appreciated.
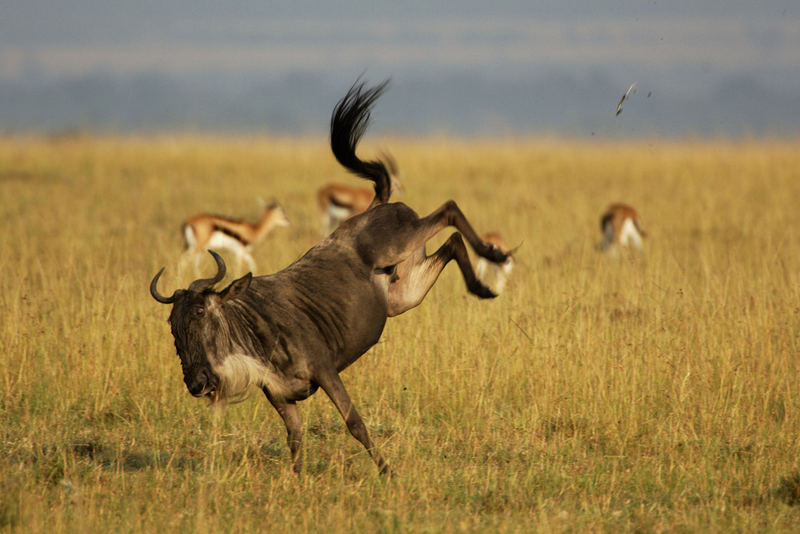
(349, 121)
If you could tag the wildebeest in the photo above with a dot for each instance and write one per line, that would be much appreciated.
(292, 332)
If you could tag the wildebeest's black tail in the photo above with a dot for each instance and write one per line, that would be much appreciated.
(348, 123)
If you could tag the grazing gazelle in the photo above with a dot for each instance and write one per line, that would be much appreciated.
(292, 332)
(621, 227)
(492, 274)
(203, 232)
(338, 202)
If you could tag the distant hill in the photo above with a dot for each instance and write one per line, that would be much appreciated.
(455, 103)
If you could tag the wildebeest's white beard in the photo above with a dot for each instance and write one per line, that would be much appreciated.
(237, 374)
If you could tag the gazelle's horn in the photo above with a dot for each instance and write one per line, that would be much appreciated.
(515, 249)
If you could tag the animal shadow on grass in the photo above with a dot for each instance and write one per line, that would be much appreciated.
(567, 428)
(189, 460)
(134, 460)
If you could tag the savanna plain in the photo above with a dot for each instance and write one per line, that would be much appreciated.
(654, 392)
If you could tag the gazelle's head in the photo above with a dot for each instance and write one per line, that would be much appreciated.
(274, 212)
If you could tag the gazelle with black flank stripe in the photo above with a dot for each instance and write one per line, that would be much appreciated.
(203, 232)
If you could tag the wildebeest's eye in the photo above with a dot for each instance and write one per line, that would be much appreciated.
(198, 311)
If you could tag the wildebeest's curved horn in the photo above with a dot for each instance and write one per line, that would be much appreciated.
(154, 290)
(205, 283)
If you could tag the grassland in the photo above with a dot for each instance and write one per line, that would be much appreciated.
(657, 393)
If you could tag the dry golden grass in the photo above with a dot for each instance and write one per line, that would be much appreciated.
(652, 393)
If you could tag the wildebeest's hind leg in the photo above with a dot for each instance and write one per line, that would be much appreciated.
(449, 214)
(294, 433)
(409, 235)
(416, 276)
(333, 386)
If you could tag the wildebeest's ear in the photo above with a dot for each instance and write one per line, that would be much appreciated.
(237, 288)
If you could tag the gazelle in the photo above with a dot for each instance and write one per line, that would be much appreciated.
(338, 202)
(493, 274)
(292, 332)
(203, 232)
(622, 228)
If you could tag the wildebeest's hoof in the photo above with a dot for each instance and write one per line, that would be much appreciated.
(482, 291)
(385, 472)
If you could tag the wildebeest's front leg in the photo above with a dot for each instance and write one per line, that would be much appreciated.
(333, 386)
(415, 276)
(294, 433)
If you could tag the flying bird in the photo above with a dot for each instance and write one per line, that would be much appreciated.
(631, 89)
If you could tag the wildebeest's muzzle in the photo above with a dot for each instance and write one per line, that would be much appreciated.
(200, 383)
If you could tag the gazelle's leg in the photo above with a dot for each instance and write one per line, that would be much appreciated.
(629, 235)
(239, 260)
(186, 258)
(508, 266)
(251, 263)
(634, 237)
(325, 223)
(608, 235)
(333, 386)
(197, 259)
(414, 277)
(499, 277)
(637, 241)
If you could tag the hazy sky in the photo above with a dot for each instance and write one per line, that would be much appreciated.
(196, 36)
(694, 54)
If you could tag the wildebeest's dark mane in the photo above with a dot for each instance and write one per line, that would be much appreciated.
(249, 329)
